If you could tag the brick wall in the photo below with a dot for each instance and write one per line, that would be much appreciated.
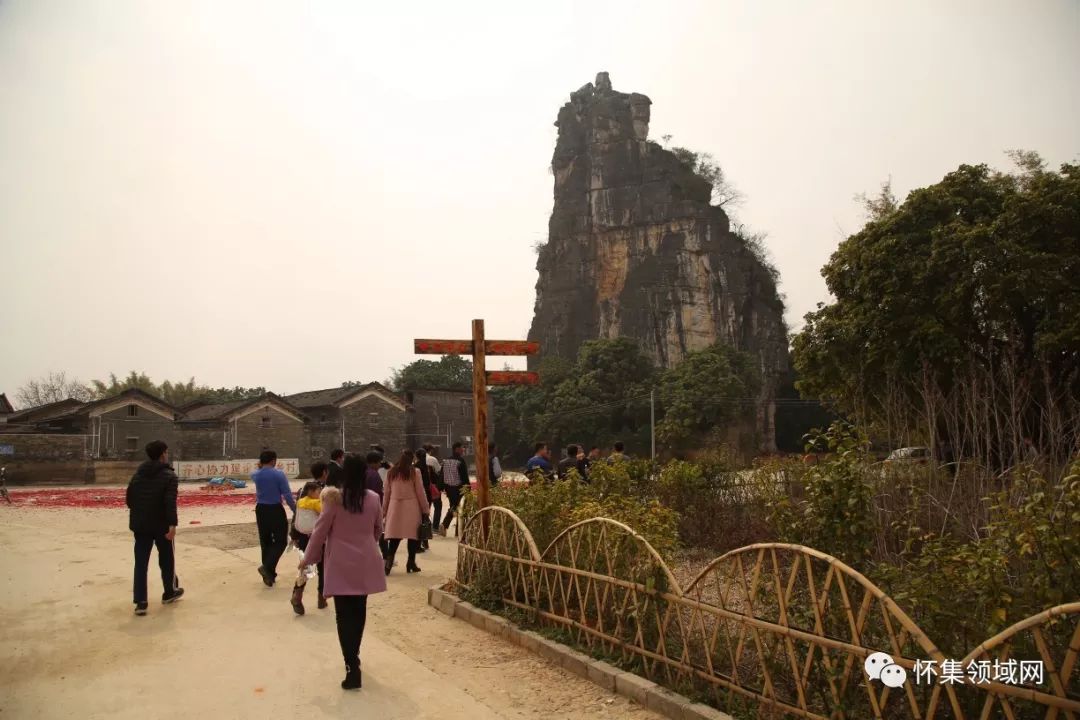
(131, 434)
(432, 410)
(323, 438)
(115, 472)
(198, 442)
(47, 459)
(372, 421)
(285, 435)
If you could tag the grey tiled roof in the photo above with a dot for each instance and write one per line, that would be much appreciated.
(330, 396)
(213, 412)
(316, 398)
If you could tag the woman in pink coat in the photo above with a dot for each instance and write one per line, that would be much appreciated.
(404, 503)
(349, 528)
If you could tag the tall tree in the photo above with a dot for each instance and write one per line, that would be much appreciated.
(604, 398)
(49, 388)
(133, 380)
(955, 316)
(519, 410)
(709, 390)
(175, 393)
(225, 394)
(450, 372)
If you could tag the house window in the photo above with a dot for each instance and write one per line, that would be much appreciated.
(266, 422)
(132, 444)
(466, 408)
(133, 411)
(322, 418)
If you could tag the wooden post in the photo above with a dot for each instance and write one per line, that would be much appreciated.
(480, 415)
(480, 349)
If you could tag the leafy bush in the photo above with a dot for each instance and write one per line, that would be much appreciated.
(964, 559)
(964, 567)
(720, 507)
(1024, 561)
(548, 508)
(835, 514)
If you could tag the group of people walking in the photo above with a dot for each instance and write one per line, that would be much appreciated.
(348, 522)
(540, 466)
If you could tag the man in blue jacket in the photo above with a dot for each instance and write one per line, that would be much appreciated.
(151, 499)
(539, 465)
(271, 487)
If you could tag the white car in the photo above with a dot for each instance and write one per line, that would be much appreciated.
(909, 456)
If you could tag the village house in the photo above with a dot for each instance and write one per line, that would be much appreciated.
(5, 408)
(73, 441)
(442, 417)
(353, 418)
(242, 429)
(103, 441)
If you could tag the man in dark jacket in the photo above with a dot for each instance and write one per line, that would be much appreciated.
(337, 474)
(568, 463)
(151, 498)
(373, 480)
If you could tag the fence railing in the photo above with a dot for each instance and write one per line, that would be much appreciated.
(783, 629)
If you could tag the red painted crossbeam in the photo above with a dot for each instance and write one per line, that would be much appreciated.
(442, 347)
(465, 347)
(511, 347)
(512, 377)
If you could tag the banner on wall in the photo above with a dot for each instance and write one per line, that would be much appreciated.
(200, 469)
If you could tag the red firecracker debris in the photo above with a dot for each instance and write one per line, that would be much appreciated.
(116, 498)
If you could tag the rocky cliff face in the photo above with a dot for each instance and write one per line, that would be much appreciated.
(636, 250)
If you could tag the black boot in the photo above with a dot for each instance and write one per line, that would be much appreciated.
(298, 600)
(388, 564)
(352, 677)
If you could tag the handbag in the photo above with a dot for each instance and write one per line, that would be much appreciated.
(434, 493)
(423, 532)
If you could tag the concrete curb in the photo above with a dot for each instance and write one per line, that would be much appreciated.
(644, 692)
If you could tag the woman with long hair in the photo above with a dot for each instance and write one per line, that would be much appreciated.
(349, 528)
(404, 503)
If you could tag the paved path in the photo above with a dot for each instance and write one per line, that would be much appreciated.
(233, 648)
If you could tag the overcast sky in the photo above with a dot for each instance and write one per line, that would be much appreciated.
(286, 194)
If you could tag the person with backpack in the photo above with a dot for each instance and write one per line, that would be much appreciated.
(151, 501)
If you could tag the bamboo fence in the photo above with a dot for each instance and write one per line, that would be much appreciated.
(779, 628)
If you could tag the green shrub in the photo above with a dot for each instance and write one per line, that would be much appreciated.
(720, 507)
(548, 508)
(835, 514)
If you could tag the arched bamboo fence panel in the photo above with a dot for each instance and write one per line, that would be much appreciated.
(782, 627)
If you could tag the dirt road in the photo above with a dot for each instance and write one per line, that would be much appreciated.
(232, 647)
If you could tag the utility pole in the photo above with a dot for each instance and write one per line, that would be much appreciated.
(652, 421)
